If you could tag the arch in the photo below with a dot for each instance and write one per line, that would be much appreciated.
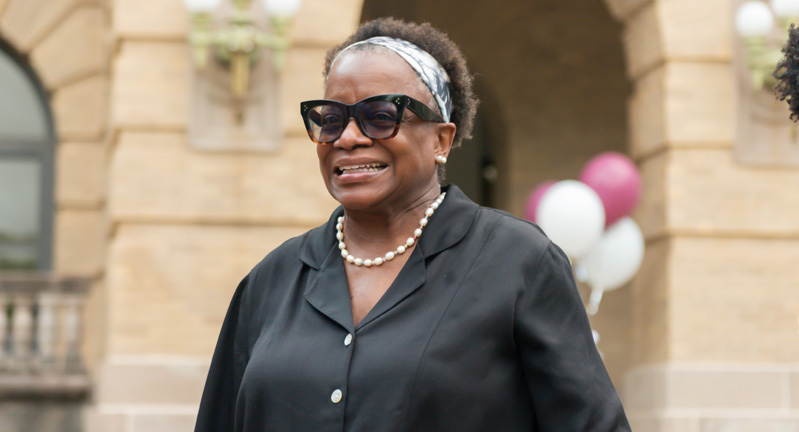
(554, 90)
(27, 145)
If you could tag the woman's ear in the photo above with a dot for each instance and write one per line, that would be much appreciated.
(446, 135)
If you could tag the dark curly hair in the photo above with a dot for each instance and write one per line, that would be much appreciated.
(438, 44)
(787, 73)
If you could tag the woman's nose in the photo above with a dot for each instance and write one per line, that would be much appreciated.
(352, 136)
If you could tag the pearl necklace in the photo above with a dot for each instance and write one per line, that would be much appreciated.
(389, 255)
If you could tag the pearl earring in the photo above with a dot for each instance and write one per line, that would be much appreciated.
(441, 160)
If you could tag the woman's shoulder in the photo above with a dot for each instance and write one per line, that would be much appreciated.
(510, 229)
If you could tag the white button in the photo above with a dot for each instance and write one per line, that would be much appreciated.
(348, 339)
(336, 396)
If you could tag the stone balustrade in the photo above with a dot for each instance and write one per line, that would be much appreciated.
(41, 324)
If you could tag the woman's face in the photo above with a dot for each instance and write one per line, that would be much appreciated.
(403, 169)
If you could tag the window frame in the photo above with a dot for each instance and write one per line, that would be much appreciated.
(42, 151)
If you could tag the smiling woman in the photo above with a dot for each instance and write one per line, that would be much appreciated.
(435, 314)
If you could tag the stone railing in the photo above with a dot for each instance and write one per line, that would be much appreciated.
(41, 320)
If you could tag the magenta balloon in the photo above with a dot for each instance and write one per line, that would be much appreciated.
(535, 197)
(615, 179)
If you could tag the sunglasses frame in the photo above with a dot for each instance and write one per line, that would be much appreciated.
(400, 100)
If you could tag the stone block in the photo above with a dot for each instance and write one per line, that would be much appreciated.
(650, 423)
(650, 301)
(76, 48)
(683, 105)
(80, 109)
(762, 424)
(169, 285)
(133, 380)
(164, 422)
(25, 22)
(700, 104)
(622, 9)
(80, 240)
(95, 326)
(151, 85)
(164, 19)
(652, 211)
(696, 30)
(709, 192)
(326, 23)
(794, 389)
(80, 174)
(734, 300)
(96, 421)
(647, 114)
(643, 41)
(301, 80)
(155, 175)
(714, 387)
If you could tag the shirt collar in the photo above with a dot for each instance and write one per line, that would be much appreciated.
(450, 223)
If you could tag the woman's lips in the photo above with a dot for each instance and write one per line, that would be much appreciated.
(360, 172)
(362, 168)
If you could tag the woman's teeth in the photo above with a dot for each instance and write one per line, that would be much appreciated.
(351, 169)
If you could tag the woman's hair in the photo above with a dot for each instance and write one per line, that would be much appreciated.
(438, 44)
(787, 73)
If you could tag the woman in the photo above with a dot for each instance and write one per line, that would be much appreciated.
(787, 73)
(411, 309)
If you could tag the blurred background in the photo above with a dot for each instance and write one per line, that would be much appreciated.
(152, 152)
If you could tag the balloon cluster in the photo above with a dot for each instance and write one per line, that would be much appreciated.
(589, 219)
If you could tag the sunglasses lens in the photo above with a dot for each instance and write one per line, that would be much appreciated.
(327, 122)
(377, 118)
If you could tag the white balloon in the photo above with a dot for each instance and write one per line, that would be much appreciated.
(616, 257)
(572, 216)
(754, 18)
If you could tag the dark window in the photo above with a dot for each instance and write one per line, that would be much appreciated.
(26, 168)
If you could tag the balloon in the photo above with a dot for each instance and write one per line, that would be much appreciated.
(615, 179)
(571, 214)
(615, 259)
(535, 197)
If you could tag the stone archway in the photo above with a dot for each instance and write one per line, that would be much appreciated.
(552, 78)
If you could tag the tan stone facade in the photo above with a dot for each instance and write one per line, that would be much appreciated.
(705, 339)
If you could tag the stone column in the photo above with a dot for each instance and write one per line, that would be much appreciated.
(188, 224)
(715, 305)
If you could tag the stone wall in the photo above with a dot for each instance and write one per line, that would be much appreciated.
(715, 305)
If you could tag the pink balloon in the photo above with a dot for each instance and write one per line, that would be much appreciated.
(615, 179)
(535, 197)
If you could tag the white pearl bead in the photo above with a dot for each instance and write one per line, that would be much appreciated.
(428, 212)
(401, 250)
(358, 262)
(417, 232)
(350, 259)
(339, 226)
(342, 246)
(409, 242)
(389, 256)
(340, 219)
(367, 263)
(340, 235)
(345, 253)
(378, 261)
(434, 206)
(423, 222)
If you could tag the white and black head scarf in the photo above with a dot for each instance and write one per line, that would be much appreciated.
(429, 70)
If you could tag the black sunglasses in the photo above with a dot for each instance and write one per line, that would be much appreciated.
(378, 117)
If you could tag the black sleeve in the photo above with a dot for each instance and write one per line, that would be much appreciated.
(217, 408)
(569, 385)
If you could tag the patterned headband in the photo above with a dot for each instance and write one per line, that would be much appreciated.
(429, 70)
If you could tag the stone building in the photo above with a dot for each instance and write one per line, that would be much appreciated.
(120, 216)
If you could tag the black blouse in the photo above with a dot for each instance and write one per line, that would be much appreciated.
(482, 330)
